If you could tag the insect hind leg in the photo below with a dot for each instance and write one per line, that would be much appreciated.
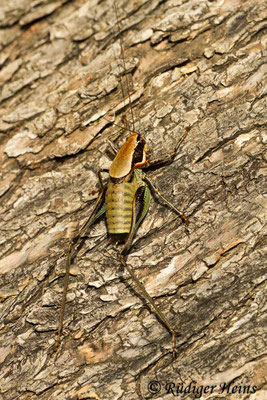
(74, 246)
(140, 207)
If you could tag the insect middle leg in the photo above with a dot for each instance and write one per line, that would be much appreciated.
(165, 201)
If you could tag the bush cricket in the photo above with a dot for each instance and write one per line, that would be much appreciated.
(124, 200)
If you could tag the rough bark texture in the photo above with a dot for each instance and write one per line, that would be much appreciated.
(195, 64)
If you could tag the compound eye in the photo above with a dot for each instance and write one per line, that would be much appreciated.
(139, 155)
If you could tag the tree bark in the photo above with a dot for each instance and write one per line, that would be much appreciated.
(198, 70)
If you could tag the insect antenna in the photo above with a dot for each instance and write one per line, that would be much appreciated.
(122, 56)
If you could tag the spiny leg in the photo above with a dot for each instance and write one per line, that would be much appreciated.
(165, 201)
(151, 302)
(168, 158)
(64, 297)
(123, 258)
(98, 210)
(113, 147)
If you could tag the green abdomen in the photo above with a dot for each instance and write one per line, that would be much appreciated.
(119, 203)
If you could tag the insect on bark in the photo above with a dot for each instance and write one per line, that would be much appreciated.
(124, 200)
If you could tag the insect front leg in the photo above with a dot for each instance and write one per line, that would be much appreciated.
(98, 211)
(140, 207)
(168, 158)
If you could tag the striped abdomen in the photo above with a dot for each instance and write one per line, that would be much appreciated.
(119, 203)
